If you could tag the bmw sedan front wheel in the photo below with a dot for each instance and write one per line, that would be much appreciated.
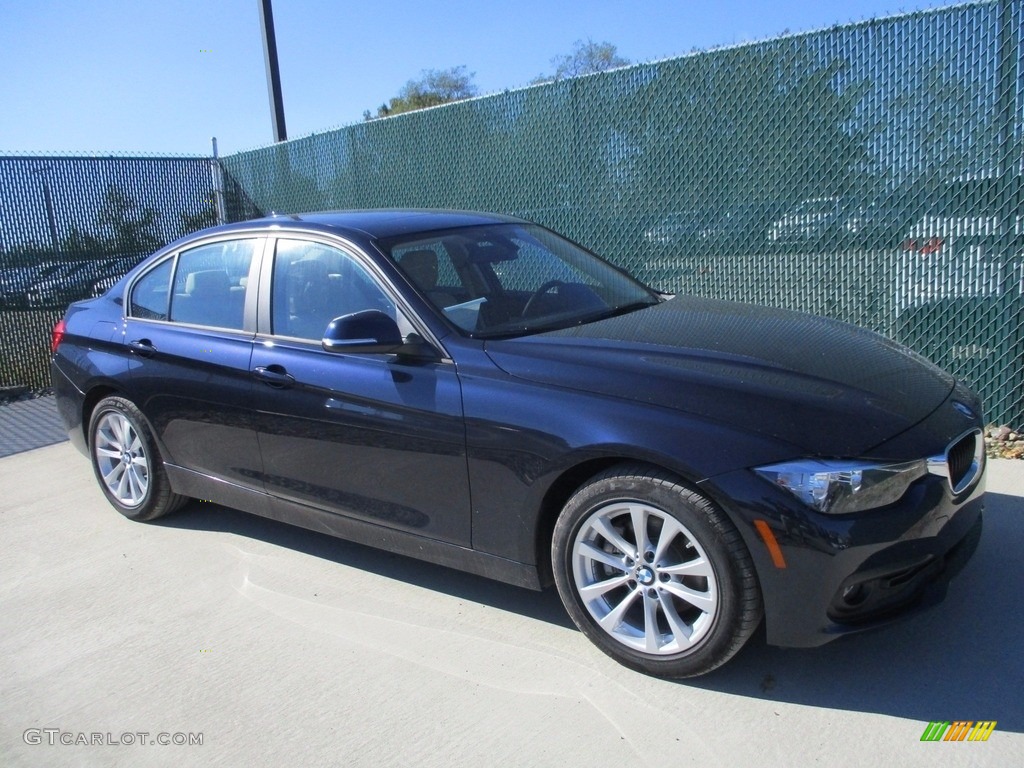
(126, 462)
(654, 574)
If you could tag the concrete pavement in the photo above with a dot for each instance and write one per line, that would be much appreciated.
(278, 646)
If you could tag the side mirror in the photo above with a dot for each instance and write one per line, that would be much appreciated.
(367, 332)
(371, 332)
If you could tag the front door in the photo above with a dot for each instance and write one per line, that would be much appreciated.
(365, 436)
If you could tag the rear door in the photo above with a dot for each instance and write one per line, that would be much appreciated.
(370, 437)
(190, 326)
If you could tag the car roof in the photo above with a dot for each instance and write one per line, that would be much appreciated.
(378, 224)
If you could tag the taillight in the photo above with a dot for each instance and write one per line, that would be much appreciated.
(56, 335)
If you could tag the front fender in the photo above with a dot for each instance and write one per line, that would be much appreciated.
(522, 438)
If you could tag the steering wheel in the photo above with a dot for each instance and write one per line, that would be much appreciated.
(538, 293)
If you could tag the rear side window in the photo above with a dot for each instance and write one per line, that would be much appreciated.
(152, 294)
(210, 284)
(203, 286)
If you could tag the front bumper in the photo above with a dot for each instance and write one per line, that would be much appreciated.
(845, 574)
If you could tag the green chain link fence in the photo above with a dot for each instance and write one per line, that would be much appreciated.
(870, 172)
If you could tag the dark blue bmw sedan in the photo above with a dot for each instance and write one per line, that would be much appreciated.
(477, 391)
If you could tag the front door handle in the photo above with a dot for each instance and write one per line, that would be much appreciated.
(142, 347)
(274, 375)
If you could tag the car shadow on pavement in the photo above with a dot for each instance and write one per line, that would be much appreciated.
(961, 660)
(542, 606)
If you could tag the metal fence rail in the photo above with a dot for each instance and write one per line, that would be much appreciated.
(870, 172)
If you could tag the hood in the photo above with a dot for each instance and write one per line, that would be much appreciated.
(826, 387)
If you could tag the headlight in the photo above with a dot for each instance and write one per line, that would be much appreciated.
(839, 487)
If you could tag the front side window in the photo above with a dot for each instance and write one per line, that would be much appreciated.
(315, 283)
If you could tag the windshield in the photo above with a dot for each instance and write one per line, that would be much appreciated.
(514, 279)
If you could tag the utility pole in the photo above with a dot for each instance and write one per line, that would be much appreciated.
(273, 71)
(217, 172)
(51, 220)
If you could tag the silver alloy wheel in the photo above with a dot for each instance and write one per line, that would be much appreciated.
(644, 578)
(121, 459)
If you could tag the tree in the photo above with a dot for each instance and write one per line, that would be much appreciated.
(201, 219)
(437, 86)
(757, 128)
(586, 58)
(132, 229)
(83, 245)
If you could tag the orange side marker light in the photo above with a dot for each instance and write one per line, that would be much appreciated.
(769, 541)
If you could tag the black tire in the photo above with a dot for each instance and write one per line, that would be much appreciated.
(682, 606)
(126, 462)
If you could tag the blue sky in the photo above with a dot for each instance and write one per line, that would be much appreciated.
(163, 77)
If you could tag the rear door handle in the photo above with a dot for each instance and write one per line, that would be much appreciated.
(274, 375)
(142, 347)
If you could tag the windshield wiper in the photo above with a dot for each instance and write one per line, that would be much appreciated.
(563, 322)
(605, 314)
(625, 309)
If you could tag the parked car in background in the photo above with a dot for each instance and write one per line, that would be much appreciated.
(983, 217)
(49, 289)
(14, 282)
(736, 227)
(965, 246)
(73, 280)
(878, 224)
(839, 222)
(103, 284)
(680, 229)
(811, 220)
(475, 390)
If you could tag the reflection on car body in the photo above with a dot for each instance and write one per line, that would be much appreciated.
(474, 390)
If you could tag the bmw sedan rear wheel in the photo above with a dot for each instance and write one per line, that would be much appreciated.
(126, 462)
(654, 573)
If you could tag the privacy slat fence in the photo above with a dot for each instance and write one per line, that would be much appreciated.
(870, 172)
